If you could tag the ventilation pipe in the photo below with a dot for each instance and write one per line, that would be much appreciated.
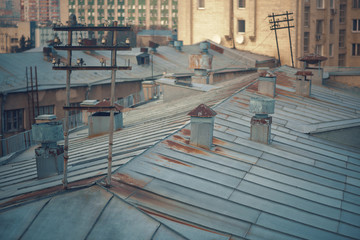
(178, 45)
(303, 83)
(202, 126)
(49, 156)
(267, 84)
(261, 123)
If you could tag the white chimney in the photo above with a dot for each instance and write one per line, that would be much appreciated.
(267, 84)
(202, 126)
(261, 123)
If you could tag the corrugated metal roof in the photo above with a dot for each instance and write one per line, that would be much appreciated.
(298, 187)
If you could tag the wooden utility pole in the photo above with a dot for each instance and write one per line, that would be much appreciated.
(69, 67)
(276, 24)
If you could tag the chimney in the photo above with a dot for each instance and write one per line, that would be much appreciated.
(201, 63)
(204, 47)
(178, 45)
(261, 123)
(267, 84)
(202, 126)
(303, 83)
(49, 156)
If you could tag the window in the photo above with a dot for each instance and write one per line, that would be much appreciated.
(320, 3)
(45, 110)
(356, 25)
(14, 120)
(355, 49)
(201, 4)
(356, 4)
(306, 41)
(241, 26)
(341, 60)
(307, 16)
(331, 48)
(241, 3)
(331, 26)
(342, 13)
(342, 38)
(332, 4)
(318, 49)
(319, 26)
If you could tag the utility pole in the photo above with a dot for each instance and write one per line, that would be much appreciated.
(276, 24)
(69, 67)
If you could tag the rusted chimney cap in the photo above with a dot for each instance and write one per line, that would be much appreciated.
(202, 111)
(304, 73)
(313, 58)
(106, 103)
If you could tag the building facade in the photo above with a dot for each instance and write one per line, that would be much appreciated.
(330, 28)
(10, 36)
(40, 10)
(146, 14)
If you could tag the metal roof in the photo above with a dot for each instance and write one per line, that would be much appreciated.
(299, 187)
(167, 59)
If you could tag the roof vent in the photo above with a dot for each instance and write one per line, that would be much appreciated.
(267, 83)
(153, 46)
(202, 126)
(261, 123)
(178, 45)
(303, 83)
(49, 157)
(204, 47)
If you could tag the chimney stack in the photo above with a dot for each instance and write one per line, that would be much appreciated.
(261, 123)
(267, 84)
(178, 45)
(303, 83)
(201, 63)
(202, 126)
(49, 156)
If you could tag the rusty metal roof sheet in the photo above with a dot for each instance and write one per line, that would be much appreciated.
(300, 186)
(304, 73)
(313, 58)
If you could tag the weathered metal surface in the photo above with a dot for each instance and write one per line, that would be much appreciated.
(260, 105)
(50, 132)
(200, 61)
(93, 48)
(49, 161)
(92, 68)
(202, 131)
(312, 58)
(304, 73)
(202, 111)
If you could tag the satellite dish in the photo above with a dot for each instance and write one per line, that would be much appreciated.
(216, 38)
(240, 39)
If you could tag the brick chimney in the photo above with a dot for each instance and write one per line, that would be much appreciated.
(261, 123)
(202, 126)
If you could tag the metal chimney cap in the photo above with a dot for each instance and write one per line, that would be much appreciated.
(202, 111)
(260, 105)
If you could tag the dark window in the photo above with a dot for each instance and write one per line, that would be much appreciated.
(356, 25)
(241, 26)
(306, 16)
(306, 41)
(331, 48)
(341, 60)
(14, 120)
(331, 26)
(241, 3)
(319, 26)
(201, 4)
(356, 4)
(342, 13)
(46, 110)
(342, 38)
(355, 49)
(320, 3)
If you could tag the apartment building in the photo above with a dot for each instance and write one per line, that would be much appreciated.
(146, 14)
(40, 10)
(328, 27)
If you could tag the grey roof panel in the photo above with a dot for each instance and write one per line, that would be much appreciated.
(164, 233)
(121, 221)
(260, 233)
(19, 217)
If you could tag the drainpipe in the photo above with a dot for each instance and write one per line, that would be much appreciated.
(3, 100)
(232, 23)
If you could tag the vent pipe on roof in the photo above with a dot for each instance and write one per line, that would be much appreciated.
(49, 156)
(178, 45)
(202, 126)
(261, 123)
(303, 83)
(267, 84)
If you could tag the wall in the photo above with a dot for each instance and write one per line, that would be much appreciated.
(172, 93)
(352, 81)
(56, 97)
